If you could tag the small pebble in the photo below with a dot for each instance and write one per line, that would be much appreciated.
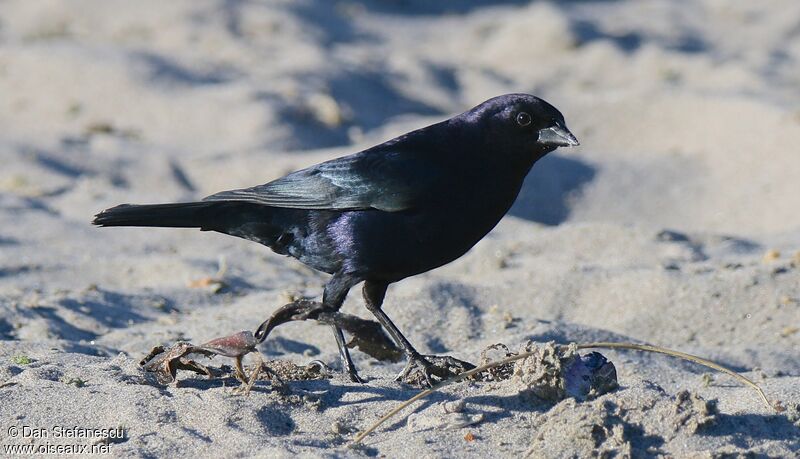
(455, 406)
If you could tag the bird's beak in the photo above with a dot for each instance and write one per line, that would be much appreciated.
(557, 136)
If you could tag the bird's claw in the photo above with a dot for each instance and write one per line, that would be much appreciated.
(354, 377)
(425, 371)
(350, 371)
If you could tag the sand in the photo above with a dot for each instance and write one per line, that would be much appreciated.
(675, 222)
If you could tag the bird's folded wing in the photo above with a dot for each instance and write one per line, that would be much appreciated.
(388, 181)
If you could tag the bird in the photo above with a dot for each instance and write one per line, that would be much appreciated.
(386, 213)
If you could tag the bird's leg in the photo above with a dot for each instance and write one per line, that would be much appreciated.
(333, 297)
(441, 367)
(344, 354)
(374, 294)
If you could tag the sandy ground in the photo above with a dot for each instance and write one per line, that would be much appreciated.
(676, 222)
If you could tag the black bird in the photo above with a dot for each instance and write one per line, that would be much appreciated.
(395, 210)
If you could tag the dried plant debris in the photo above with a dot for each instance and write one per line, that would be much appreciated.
(165, 362)
(553, 372)
(106, 128)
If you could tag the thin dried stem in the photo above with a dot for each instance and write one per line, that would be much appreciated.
(680, 355)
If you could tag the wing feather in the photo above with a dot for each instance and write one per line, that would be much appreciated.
(385, 180)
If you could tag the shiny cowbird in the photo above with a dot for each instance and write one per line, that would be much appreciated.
(395, 210)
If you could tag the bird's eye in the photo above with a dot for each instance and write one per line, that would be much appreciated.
(523, 119)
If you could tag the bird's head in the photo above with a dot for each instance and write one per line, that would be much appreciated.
(521, 124)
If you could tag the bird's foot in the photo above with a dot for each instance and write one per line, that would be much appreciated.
(353, 375)
(425, 371)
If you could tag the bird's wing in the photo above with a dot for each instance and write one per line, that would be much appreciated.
(385, 180)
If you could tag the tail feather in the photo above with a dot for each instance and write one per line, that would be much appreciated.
(266, 225)
(178, 215)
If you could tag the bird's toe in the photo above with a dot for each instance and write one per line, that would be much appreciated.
(425, 371)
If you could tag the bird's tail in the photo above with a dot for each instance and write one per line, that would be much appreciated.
(179, 215)
(262, 224)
